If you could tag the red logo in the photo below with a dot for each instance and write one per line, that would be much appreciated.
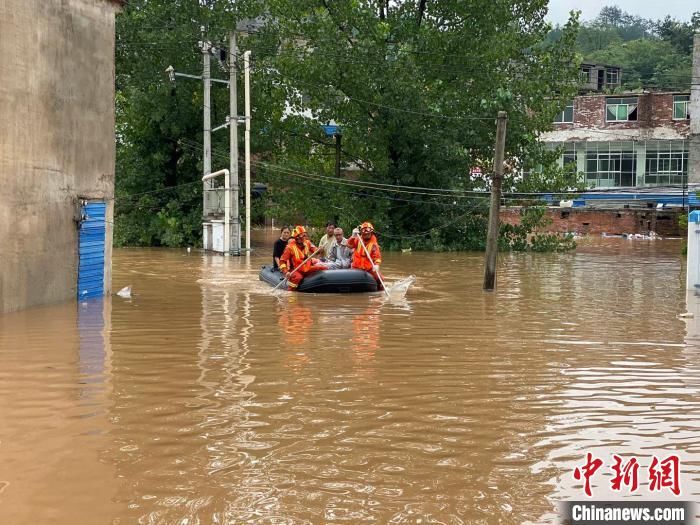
(588, 470)
(667, 476)
(662, 473)
(625, 474)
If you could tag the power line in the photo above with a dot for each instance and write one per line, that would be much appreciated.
(365, 184)
(280, 171)
(385, 106)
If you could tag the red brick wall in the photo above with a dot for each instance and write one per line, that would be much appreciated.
(654, 110)
(588, 221)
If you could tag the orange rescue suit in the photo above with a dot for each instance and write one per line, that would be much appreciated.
(293, 256)
(360, 260)
(359, 257)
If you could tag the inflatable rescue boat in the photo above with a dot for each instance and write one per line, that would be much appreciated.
(325, 281)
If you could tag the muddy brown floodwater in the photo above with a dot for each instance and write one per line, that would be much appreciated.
(206, 399)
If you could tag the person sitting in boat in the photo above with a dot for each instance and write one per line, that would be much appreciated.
(339, 254)
(325, 243)
(363, 241)
(299, 251)
(280, 245)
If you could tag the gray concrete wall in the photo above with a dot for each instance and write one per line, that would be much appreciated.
(56, 141)
(694, 142)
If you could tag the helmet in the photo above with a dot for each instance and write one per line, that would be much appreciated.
(366, 226)
(298, 231)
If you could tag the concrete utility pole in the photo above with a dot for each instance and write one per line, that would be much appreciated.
(235, 247)
(246, 63)
(694, 139)
(494, 211)
(206, 78)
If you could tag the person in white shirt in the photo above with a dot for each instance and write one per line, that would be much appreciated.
(324, 245)
(339, 255)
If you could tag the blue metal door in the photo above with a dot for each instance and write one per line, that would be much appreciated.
(91, 251)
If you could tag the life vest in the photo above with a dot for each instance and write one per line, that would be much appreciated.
(293, 256)
(359, 256)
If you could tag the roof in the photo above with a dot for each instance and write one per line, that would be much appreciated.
(634, 93)
(598, 64)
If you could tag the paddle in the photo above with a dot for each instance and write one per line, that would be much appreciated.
(295, 269)
(370, 260)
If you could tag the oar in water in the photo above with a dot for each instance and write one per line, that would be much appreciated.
(295, 269)
(370, 260)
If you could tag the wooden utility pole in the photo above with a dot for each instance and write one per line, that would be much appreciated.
(494, 210)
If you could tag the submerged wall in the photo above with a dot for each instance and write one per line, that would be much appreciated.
(596, 221)
(57, 141)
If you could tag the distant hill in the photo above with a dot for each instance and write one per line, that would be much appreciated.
(653, 54)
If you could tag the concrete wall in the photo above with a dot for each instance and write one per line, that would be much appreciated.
(655, 121)
(57, 141)
(588, 221)
(694, 151)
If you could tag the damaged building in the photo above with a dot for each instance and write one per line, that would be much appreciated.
(637, 153)
(625, 140)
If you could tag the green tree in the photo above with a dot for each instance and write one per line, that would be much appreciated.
(416, 88)
(159, 123)
(647, 63)
(679, 34)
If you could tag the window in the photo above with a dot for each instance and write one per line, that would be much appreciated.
(681, 107)
(567, 115)
(666, 163)
(568, 157)
(610, 164)
(621, 109)
(612, 77)
(585, 74)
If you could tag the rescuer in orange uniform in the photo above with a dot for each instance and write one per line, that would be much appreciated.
(296, 252)
(359, 256)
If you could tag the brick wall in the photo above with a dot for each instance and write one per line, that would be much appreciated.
(654, 110)
(589, 221)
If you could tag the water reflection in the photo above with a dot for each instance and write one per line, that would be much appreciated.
(94, 316)
(205, 399)
(295, 320)
(365, 336)
(54, 391)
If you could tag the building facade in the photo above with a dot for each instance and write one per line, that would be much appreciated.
(626, 140)
(600, 77)
(57, 151)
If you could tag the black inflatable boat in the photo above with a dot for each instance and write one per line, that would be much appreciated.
(325, 281)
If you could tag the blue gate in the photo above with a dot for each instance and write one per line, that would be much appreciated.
(91, 251)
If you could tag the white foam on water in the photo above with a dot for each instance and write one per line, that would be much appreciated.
(399, 288)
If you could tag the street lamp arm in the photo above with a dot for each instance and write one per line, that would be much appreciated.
(209, 176)
(198, 77)
(172, 74)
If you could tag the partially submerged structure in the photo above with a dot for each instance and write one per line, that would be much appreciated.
(57, 152)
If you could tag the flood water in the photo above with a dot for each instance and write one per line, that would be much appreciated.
(206, 399)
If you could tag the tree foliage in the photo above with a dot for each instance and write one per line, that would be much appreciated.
(159, 123)
(414, 85)
(653, 54)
